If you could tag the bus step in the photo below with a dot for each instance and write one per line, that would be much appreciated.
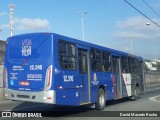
(85, 103)
(117, 98)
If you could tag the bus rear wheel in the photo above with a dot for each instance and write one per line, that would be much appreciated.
(101, 100)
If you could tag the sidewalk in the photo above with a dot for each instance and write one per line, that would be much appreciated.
(1, 94)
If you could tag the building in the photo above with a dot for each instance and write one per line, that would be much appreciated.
(2, 51)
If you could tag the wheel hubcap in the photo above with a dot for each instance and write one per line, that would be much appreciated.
(101, 100)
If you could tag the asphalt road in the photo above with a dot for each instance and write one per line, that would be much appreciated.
(149, 101)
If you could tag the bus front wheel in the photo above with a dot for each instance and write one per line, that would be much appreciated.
(101, 100)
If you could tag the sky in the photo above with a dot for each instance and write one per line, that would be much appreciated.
(109, 23)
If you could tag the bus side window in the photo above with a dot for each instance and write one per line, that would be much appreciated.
(96, 60)
(67, 55)
(92, 54)
(71, 50)
(125, 67)
(62, 48)
(83, 63)
(106, 62)
(132, 65)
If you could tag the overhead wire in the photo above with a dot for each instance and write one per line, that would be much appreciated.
(142, 13)
(151, 8)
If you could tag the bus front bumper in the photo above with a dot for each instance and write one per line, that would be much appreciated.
(40, 97)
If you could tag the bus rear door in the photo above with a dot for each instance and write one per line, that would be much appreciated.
(116, 77)
(84, 75)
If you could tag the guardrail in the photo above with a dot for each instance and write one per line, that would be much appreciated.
(152, 77)
(1, 83)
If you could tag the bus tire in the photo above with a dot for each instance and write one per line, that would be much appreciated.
(136, 93)
(101, 100)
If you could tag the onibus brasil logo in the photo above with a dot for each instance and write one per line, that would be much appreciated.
(26, 47)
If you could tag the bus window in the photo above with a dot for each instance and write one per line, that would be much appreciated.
(106, 63)
(124, 61)
(82, 61)
(71, 50)
(62, 48)
(92, 55)
(98, 55)
(96, 60)
(131, 65)
(67, 55)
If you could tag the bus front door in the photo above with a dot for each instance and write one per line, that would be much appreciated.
(83, 75)
(117, 81)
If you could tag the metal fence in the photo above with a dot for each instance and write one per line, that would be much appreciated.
(152, 77)
(1, 83)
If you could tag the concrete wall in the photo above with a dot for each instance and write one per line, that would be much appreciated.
(1, 75)
(152, 77)
(1, 83)
(2, 55)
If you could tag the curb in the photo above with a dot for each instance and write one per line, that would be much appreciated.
(1, 94)
(152, 85)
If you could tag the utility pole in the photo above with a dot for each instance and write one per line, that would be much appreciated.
(11, 12)
(82, 15)
(131, 46)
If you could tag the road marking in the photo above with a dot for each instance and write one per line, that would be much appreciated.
(25, 107)
(152, 89)
(154, 98)
(155, 88)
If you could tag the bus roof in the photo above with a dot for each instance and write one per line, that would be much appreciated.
(116, 52)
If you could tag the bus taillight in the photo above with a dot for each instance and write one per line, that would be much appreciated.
(5, 77)
(48, 78)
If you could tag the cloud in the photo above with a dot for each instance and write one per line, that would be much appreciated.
(128, 34)
(4, 26)
(3, 13)
(137, 23)
(31, 24)
(136, 27)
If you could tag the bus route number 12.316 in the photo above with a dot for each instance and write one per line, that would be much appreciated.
(35, 67)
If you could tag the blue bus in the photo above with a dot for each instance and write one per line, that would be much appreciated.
(54, 69)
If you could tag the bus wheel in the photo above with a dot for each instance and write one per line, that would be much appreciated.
(101, 100)
(136, 93)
